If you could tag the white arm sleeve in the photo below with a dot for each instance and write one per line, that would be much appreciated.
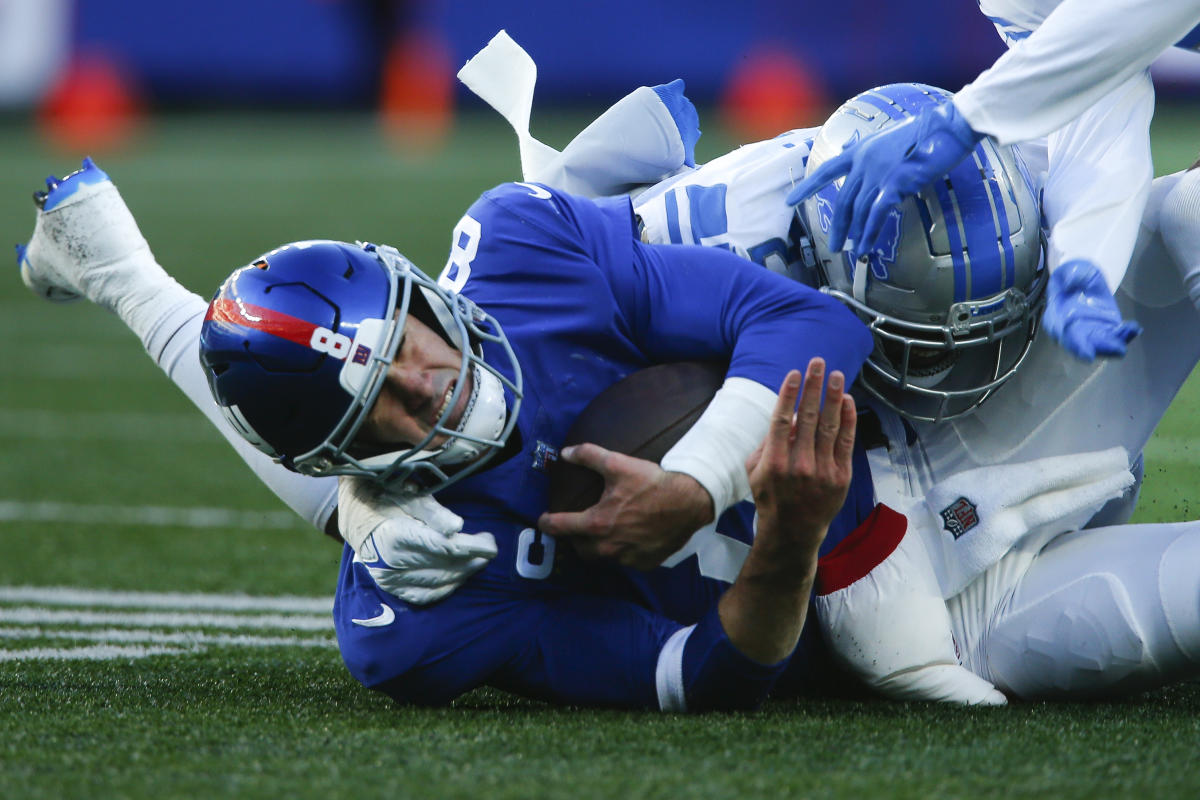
(1100, 170)
(173, 341)
(715, 450)
(1084, 50)
(634, 142)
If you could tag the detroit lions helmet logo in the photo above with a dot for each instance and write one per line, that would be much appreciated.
(825, 199)
(884, 252)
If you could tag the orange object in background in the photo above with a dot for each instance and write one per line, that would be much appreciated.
(416, 103)
(771, 91)
(93, 107)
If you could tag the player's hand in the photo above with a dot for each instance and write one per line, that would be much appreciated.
(885, 168)
(801, 474)
(413, 546)
(644, 515)
(1082, 315)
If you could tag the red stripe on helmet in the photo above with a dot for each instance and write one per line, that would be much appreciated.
(276, 323)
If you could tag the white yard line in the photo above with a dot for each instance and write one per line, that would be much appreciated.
(99, 652)
(167, 516)
(32, 615)
(189, 638)
(71, 596)
(35, 615)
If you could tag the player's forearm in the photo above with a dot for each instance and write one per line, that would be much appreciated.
(764, 610)
(1099, 179)
(1083, 51)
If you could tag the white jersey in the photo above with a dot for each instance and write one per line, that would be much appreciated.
(1089, 613)
(1064, 57)
(734, 202)
(1038, 621)
(1077, 73)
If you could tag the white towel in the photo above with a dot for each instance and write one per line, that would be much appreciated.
(970, 520)
(633, 143)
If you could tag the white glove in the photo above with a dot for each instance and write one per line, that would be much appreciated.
(881, 610)
(413, 546)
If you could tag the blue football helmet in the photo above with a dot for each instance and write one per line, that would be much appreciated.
(953, 292)
(297, 346)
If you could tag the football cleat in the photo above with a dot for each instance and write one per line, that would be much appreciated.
(83, 236)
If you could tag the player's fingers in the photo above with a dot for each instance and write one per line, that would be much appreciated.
(885, 201)
(565, 523)
(780, 428)
(809, 410)
(830, 420)
(843, 207)
(843, 448)
(1114, 342)
(825, 174)
(412, 552)
(858, 218)
(592, 456)
(427, 577)
(474, 545)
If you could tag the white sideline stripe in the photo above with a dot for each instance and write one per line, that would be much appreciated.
(26, 423)
(24, 615)
(17, 511)
(70, 596)
(99, 652)
(151, 637)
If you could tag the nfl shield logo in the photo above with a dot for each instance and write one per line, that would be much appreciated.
(960, 517)
(543, 454)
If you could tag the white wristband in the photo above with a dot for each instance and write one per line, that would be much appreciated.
(715, 450)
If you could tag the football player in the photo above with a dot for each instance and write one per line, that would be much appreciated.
(122, 257)
(1075, 89)
(337, 358)
(942, 372)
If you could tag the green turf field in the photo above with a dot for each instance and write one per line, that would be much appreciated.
(189, 651)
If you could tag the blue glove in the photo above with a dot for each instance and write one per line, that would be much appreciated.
(1082, 315)
(684, 114)
(885, 168)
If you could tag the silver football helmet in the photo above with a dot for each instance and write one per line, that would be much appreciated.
(954, 291)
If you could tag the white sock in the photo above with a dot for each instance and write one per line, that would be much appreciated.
(173, 341)
(93, 241)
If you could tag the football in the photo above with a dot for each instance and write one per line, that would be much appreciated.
(642, 415)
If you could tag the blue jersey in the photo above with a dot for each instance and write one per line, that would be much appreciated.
(584, 303)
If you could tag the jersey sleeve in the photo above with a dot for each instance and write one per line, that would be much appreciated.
(1082, 51)
(690, 302)
(1099, 179)
(735, 202)
(685, 302)
(674, 302)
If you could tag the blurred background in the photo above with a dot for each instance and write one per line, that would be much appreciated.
(231, 126)
(94, 71)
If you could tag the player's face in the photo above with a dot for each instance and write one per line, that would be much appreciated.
(418, 387)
